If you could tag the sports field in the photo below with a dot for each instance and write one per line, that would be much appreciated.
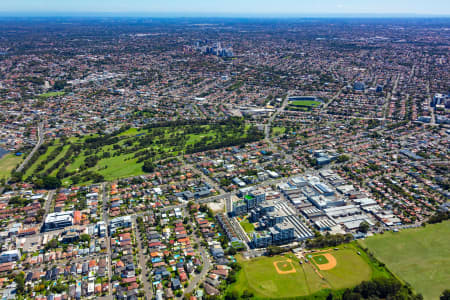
(51, 94)
(7, 163)
(304, 103)
(320, 259)
(349, 270)
(419, 256)
(283, 276)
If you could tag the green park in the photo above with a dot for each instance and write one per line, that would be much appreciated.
(419, 256)
(8, 162)
(303, 105)
(288, 275)
(129, 151)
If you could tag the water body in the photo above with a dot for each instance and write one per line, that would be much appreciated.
(3, 152)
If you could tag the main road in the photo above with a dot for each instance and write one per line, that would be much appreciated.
(273, 116)
(107, 238)
(36, 147)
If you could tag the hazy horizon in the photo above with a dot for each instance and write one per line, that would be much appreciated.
(268, 8)
(63, 14)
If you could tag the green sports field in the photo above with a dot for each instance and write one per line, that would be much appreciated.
(260, 276)
(7, 163)
(304, 103)
(350, 270)
(419, 256)
(320, 259)
(51, 94)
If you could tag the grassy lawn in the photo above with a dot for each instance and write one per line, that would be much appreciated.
(7, 163)
(320, 259)
(260, 277)
(419, 256)
(117, 156)
(131, 132)
(118, 167)
(31, 169)
(248, 227)
(58, 157)
(51, 94)
(79, 160)
(278, 130)
(304, 103)
(350, 270)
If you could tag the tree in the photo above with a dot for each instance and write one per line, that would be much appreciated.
(274, 250)
(445, 295)
(96, 177)
(343, 158)
(85, 238)
(40, 214)
(247, 294)
(148, 167)
(349, 295)
(232, 251)
(364, 227)
(76, 179)
(20, 281)
(52, 244)
(233, 295)
(59, 84)
(51, 182)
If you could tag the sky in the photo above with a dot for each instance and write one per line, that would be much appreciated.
(231, 7)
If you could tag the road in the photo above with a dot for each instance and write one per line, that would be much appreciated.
(433, 116)
(203, 176)
(273, 116)
(206, 267)
(108, 240)
(36, 147)
(47, 205)
(332, 99)
(389, 96)
(148, 291)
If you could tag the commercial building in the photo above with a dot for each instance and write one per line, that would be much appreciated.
(252, 199)
(322, 201)
(9, 256)
(359, 86)
(58, 220)
(350, 216)
(277, 224)
(279, 234)
(261, 239)
(101, 227)
(119, 222)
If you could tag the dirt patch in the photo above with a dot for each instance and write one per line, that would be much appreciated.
(284, 264)
(331, 262)
(217, 207)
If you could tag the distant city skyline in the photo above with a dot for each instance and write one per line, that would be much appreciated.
(229, 7)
